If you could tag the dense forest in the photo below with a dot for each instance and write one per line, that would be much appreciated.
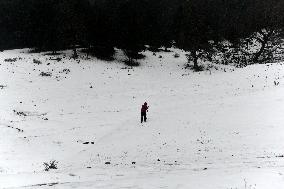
(200, 27)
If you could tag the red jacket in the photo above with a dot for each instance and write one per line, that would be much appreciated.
(144, 108)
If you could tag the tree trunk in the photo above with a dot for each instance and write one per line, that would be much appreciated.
(75, 55)
(88, 51)
(259, 53)
(130, 61)
(263, 41)
(195, 59)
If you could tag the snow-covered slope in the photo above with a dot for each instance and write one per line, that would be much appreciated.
(215, 129)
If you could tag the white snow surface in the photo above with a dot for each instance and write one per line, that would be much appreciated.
(218, 129)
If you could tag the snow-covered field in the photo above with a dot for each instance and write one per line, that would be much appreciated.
(217, 129)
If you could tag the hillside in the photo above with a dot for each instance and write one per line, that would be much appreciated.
(221, 128)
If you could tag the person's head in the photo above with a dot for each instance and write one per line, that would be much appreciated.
(145, 103)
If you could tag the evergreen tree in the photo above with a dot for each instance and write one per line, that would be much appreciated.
(194, 29)
(131, 36)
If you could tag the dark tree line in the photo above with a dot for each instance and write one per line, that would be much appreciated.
(197, 26)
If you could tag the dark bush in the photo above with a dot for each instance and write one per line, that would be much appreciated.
(50, 165)
(101, 52)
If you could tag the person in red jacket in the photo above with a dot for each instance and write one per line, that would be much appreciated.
(144, 110)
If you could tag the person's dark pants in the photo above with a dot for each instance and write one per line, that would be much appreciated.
(143, 116)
